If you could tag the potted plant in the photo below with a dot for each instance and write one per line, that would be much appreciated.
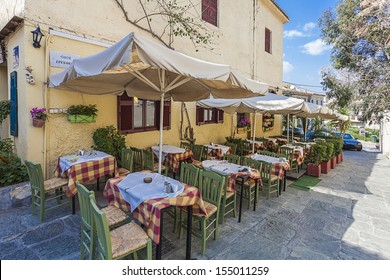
(325, 164)
(82, 113)
(39, 116)
(243, 125)
(314, 159)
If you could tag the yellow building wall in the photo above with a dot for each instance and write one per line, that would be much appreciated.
(233, 44)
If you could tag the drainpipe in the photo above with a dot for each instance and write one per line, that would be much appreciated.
(254, 40)
(46, 103)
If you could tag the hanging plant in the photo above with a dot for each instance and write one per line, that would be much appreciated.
(82, 113)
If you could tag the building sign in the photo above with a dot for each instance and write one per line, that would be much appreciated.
(60, 59)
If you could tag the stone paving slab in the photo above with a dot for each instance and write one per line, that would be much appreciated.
(345, 217)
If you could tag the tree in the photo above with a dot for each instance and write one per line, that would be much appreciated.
(166, 19)
(358, 30)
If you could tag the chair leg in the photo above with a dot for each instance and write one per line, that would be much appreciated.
(223, 210)
(181, 224)
(42, 208)
(203, 236)
(33, 202)
(149, 249)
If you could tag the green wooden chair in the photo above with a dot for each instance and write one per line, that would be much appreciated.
(250, 185)
(150, 164)
(137, 159)
(266, 153)
(269, 180)
(228, 202)
(200, 152)
(122, 241)
(43, 192)
(293, 161)
(232, 158)
(115, 218)
(210, 186)
(127, 162)
(189, 174)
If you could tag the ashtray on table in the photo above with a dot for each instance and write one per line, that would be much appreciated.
(148, 179)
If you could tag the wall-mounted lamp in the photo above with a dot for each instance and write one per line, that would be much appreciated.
(37, 37)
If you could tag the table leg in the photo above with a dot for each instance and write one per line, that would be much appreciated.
(284, 182)
(159, 245)
(241, 196)
(256, 191)
(189, 232)
(97, 183)
(280, 186)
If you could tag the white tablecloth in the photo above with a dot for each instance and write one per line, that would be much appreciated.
(269, 159)
(296, 148)
(224, 167)
(134, 190)
(67, 161)
(167, 149)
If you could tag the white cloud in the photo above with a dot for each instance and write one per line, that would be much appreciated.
(292, 34)
(287, 67)
(316, 47)
(309, 26)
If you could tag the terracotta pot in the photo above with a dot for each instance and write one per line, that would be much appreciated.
(342, 156)
(314, 170)
(38, 122)
(325, 167)
(333, 162)
(339, 158)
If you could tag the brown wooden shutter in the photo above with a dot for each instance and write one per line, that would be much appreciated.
(199, 115)
(268, 40)
(166, 116)
(210, 11)
(220, 116)
(125, 113)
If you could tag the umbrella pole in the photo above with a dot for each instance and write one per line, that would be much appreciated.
(161, 131)
(305, 129)
(254, 133)
(288, 127)
(292, 130)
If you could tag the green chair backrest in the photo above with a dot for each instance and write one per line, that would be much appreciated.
(85, 196)
(266, 170)
(286, 150)
(200, 152)
(232, 158)
(148, 158)
(266, 153)
(281, 155)
(104, 250)
(137, 159)
(189, 174)
(210, 186)
(254, 164)
(35, 175)
(127, 159)
(233, 147)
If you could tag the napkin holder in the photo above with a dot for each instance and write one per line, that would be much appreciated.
(168, 187)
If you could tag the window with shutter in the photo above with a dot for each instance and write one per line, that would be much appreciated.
(268, 39)
(210, 11)
(208, 115)
(14, 104)
(138, 115)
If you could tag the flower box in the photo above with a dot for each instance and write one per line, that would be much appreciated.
(333, 162)
(314, 170)
(325, 167)
(81, 119)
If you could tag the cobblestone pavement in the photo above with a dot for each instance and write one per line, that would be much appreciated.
(346, 216)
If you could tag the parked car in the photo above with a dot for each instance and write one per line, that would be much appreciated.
(310, 135)
(350, 142)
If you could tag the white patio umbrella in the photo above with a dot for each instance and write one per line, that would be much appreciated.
(148, 70)
(270, 103)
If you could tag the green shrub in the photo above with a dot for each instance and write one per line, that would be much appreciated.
(329, 150)
(109, 140)
(12, 170)
(317, 154)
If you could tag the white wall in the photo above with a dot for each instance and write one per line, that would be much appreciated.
(385, 134)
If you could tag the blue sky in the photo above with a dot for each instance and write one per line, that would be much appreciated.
(304, 52)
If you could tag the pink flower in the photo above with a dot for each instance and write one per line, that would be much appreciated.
(38, 113)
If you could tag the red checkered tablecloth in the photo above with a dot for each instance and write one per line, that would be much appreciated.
(148, 212)
(173, 160)
(279, 168)
(217, 153)
(87, 171)
(298, 157)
